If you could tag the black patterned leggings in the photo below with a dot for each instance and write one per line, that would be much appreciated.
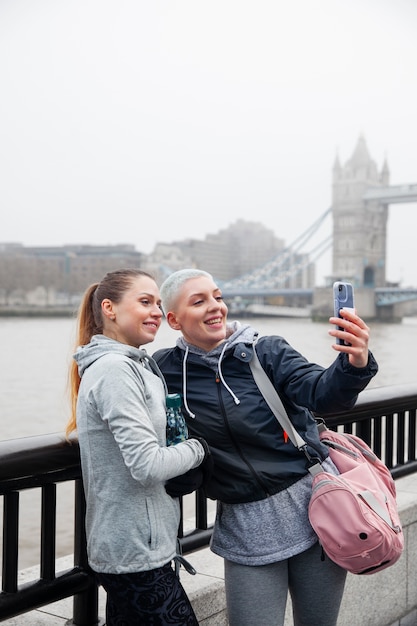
(153, 598)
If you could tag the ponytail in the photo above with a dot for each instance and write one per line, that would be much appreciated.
(89, 323)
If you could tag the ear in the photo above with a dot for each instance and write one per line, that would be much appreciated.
(107, 308)
(172, 321)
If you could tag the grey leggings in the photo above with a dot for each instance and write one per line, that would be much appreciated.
(258, 594)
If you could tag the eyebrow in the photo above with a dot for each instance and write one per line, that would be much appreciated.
(148, 295)
(200, 294)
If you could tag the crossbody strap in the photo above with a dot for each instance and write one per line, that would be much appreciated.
(274, 402)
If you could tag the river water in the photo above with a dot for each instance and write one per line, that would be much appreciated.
(34, 361)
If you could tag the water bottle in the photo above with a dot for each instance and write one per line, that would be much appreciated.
(177, 430)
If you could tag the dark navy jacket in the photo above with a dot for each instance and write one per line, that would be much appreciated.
(252, 459)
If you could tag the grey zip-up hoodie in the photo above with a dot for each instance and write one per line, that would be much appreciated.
(131, 521)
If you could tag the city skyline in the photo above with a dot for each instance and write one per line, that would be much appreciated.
(146, 123)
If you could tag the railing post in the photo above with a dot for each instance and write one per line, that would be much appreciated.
(412, 425)
(363, 430)
(48, 532)
(10, 541)
(85, 605)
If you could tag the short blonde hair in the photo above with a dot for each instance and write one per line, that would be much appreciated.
(171, 286)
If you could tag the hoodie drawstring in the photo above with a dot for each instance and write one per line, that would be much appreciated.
(151, 364)
(220, 375)
(184, 384)
(235, 398)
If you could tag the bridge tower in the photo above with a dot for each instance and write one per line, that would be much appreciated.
(359, 223)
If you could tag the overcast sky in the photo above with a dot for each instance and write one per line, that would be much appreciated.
(145, 121)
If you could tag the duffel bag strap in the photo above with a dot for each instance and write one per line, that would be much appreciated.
(274, 402)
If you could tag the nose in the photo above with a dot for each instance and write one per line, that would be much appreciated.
(214, 303)
(156, 312)
(218, 305)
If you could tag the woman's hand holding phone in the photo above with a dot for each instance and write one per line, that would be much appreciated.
(351, 332)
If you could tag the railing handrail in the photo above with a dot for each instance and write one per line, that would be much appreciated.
(41, 461)
(377, 401)
(37, 454)
(41, 454)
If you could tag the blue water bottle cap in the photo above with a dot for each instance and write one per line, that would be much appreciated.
(173, 401)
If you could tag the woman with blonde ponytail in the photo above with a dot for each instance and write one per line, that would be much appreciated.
(119, 414)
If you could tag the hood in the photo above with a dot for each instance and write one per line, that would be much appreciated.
(235, 333)
(101, 345)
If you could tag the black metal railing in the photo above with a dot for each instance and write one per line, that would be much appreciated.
(384, 417)
(42, 462)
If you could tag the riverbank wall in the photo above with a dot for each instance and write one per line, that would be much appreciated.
(38, 311)
(365, 304)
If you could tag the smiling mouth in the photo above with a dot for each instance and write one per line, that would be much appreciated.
(151, 324)
(217, 320)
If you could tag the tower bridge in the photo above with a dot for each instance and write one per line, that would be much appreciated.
(360, 200)
(395, 194)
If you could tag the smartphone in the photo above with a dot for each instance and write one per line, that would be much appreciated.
(343, 298)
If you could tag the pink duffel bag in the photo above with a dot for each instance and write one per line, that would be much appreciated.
(355, 514)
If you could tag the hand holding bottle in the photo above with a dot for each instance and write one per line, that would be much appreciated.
(195, 478)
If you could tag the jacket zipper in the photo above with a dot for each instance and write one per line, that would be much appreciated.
(233, 440)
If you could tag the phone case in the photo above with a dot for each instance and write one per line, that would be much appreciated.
(343, 299)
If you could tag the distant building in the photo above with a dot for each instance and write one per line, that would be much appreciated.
(49, 276)
(57, 275)
(230, 253)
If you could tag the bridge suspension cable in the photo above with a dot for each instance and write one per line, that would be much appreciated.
(287, 263)
(311, 230)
